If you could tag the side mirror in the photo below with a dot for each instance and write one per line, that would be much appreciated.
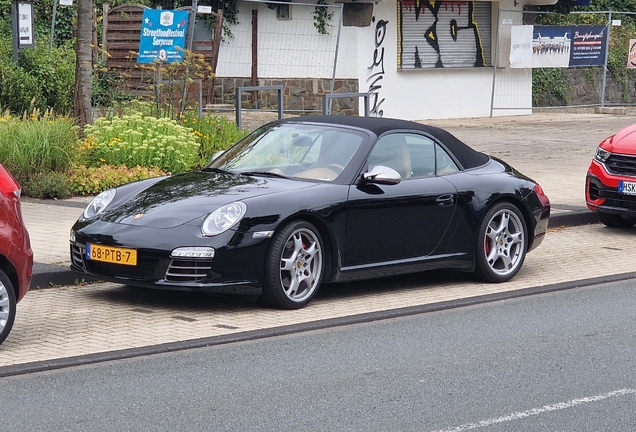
(381, 174)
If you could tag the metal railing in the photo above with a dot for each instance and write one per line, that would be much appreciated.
(240, 90)
(327, 98)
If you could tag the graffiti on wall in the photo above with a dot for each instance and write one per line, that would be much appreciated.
(376, 70)
(438, 34)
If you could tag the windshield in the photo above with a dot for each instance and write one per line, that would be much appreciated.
(318, 152)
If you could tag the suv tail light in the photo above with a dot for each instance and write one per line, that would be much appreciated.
(8, 186)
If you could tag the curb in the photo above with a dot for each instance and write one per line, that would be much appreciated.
(573, 218)
(51, 276)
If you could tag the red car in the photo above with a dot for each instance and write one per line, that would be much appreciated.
(16, 256)
(610, 187)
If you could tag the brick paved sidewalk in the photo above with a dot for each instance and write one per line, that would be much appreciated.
(81, 320)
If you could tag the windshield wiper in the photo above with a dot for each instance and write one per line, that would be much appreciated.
(264, 173)
(217, 170)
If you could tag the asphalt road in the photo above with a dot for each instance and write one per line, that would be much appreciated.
(558, 361)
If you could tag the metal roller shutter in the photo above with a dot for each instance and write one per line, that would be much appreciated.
(443, 34)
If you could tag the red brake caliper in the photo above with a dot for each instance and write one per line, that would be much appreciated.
(487, 246)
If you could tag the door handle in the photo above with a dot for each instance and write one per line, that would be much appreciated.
(444, 200)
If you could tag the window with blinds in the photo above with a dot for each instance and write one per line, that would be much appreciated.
(437, 34)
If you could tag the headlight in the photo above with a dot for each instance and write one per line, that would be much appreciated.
(223, 218)
(601, 155)
(99, 203)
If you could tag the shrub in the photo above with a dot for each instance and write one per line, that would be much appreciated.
(109, 87)
(47, 185)
(93, 180)
(136, 140)
(37, 143)
(54, 71)
(550, 87)
(132, 107)
(18, 92)
(214, 133)
(43, 79)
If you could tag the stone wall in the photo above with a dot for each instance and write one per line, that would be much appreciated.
(585, 87)
(302, 96)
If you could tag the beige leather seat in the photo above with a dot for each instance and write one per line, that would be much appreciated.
(393, 152)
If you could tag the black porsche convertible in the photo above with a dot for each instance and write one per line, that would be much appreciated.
(311, 200)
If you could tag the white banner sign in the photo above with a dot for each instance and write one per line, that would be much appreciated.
(521, 46)
(558, 46)
(25, 25)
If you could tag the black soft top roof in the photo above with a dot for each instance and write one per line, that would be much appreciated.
(468, 157)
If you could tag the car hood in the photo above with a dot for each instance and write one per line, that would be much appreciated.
(623, 142)
(182, 198)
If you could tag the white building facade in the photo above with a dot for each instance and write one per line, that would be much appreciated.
(418, 59)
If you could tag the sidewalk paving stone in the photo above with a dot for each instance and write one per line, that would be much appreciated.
(80, 320)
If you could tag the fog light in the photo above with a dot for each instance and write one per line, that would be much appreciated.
(193, 252)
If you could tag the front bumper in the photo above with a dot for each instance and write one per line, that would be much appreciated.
(601, 192)
(236, 268)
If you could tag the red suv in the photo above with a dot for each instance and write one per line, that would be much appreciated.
(16, 256)
(610, 187)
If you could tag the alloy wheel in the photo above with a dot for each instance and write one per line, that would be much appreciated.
(301, 265)
(504, 242)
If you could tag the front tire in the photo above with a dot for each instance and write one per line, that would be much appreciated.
(616, 221)
(294, 266)
(7, 306)
(501, 243)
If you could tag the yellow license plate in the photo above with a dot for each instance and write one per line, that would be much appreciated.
(111, 254)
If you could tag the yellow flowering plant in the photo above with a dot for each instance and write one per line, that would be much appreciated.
(93, 180)
(139, 140)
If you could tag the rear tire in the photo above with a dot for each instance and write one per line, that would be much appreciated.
(294, 266)
(7, 306)
(501, 243)
(616, 221)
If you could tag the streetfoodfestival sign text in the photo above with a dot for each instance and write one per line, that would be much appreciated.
(163, 35)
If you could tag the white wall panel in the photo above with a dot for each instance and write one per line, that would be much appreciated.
(287, 48)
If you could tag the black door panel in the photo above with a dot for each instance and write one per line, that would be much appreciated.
(393, 222)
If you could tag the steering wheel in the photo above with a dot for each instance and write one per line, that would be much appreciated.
(335, 167)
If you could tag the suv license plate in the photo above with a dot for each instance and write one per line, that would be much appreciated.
(627, 188)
